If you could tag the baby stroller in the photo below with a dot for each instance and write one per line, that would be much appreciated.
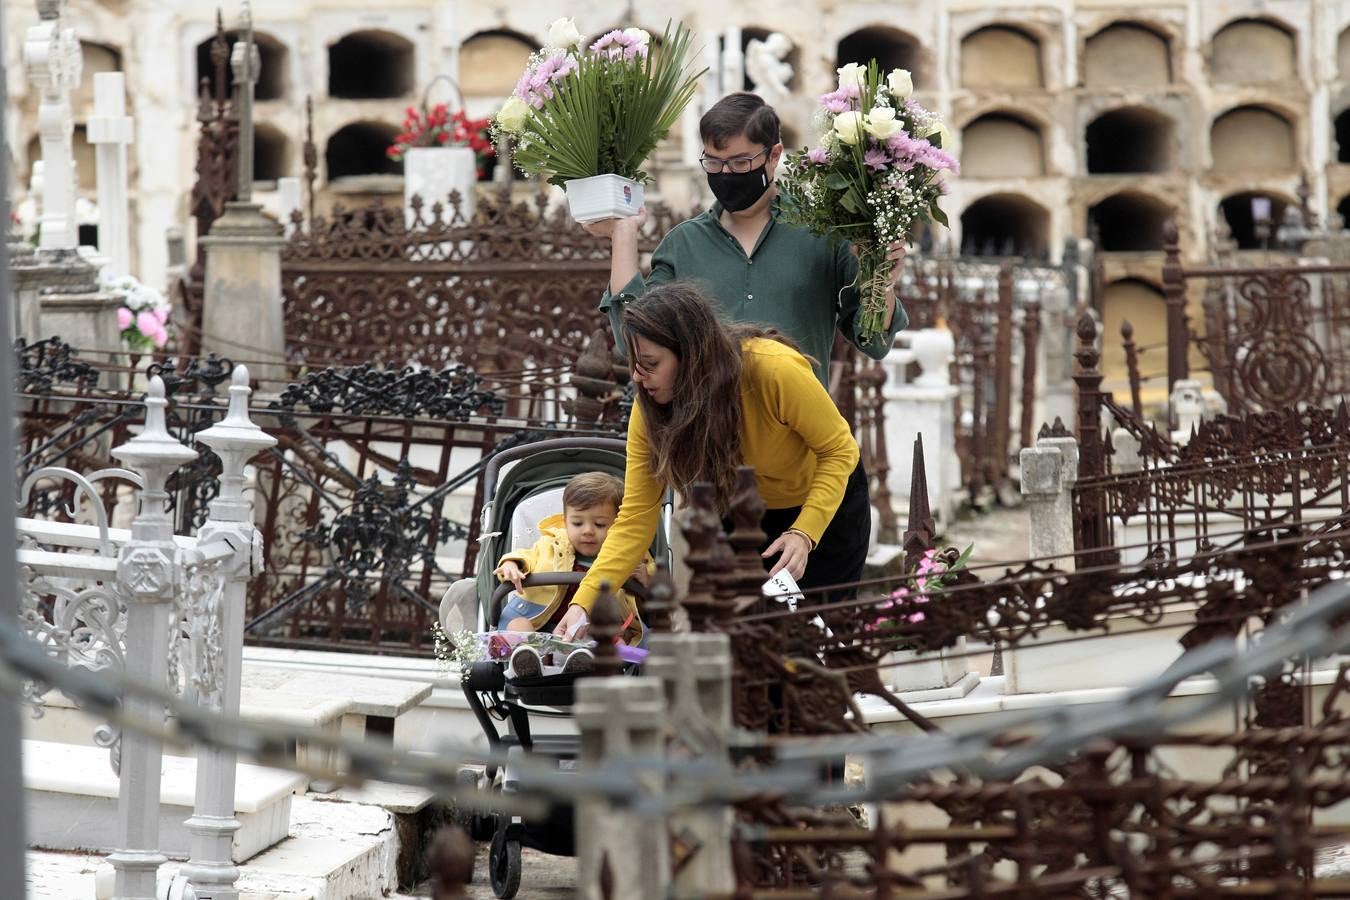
(515, 500)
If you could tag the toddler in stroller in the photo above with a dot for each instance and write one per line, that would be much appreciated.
(524, 487)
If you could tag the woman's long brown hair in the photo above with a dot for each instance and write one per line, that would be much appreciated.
(697, 436)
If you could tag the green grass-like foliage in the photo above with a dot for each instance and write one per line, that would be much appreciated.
(608, 115)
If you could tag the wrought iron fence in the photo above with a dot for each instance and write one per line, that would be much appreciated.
(367, 504)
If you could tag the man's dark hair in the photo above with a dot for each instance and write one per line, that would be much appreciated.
(736, 114)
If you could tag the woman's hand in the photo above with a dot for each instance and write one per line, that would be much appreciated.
(606, 228)
(569, 621)
(793, 549)
(512, 572)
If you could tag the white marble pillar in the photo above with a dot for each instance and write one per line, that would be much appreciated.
(148, 579)
(110, 131)
(923, 407)
(51, 56)
(235, 439)
(733, 62)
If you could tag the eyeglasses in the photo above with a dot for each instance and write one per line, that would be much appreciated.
(738, 164)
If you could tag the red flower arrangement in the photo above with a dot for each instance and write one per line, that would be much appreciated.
(438, 127)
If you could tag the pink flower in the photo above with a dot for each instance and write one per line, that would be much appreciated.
(162, 313)
(916, 618)
(938, 159)
(835, 102)
(818, 155)
(877, 161)
(161, 337)
(124, 318)
(147, 324)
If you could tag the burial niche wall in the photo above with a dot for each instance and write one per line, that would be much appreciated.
(1000, 57)
(1001, 145)
(371, 65)
(1126, 54)
(1132, 139)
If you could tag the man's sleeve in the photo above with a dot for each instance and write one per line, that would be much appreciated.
(611, 304)
(849, 305)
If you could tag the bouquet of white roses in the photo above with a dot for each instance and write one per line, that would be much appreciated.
(875, 173)
(581, 111)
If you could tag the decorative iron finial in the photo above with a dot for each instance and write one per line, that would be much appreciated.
(746, 574)
(661, 600)
(700, 524)
(451, 862)
(606, 626)
(921, 528)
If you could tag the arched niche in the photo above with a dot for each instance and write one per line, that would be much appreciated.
(1130, 222)
(360, 149)
(1127, 54)
(1252, 51)
(1000, 57)
(371, 65)
(1005, 225)
(491, 62)
(1001, 145)
(1252, 138)
(1131, 139)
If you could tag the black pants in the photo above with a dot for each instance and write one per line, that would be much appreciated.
(842, 550)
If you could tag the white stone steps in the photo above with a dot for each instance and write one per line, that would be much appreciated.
(71, 797)
(337, 851)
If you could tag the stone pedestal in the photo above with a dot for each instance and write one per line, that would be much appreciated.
(432, 173)
(241, 315)
(1049, 471)
(618, 718)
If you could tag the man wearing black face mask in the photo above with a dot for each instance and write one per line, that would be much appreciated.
(758, 268)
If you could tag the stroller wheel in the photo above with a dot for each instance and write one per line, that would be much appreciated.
(504, 865)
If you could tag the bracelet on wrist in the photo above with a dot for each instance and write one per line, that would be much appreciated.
(810, 544)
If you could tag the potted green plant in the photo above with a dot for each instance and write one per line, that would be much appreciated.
(586, 118)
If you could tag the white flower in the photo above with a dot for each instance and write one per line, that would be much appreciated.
(852, 75)
(563, 34)
(511, 117)
(639, 35)
(880, 123)
(938, 130)
(848, 126)
(900, 82)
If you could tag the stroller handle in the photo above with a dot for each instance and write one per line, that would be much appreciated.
(555, 579)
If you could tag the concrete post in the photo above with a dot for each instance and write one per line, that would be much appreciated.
(110, 131)
(148, 579)
(1049, 471)
(236, 439)
(1188, 408)
(51, 55)
(924, 408)
(696, 672)
(620, 718)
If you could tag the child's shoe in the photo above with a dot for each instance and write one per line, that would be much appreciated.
(526, 662)
(578, 661)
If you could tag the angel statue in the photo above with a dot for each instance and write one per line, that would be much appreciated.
(767, 68)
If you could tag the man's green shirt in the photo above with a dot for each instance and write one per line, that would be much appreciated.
(794, 280)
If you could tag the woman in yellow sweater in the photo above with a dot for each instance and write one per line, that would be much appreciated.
(713, 396)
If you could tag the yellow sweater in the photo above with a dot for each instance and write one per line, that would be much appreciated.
(791, 433)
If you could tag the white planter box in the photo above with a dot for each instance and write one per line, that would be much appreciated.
(910, 671)
(603, 197)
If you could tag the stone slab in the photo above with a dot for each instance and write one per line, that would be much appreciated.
(71, 797)
(271, 688)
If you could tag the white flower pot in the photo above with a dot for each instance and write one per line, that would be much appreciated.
(433, 172)
(603, 197)
(910, 670)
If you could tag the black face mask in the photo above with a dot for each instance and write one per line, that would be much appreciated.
(738, 191)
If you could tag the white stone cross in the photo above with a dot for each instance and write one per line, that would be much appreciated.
(110, 131)
(51, 56)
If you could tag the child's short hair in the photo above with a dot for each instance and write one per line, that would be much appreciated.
(593, 489)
